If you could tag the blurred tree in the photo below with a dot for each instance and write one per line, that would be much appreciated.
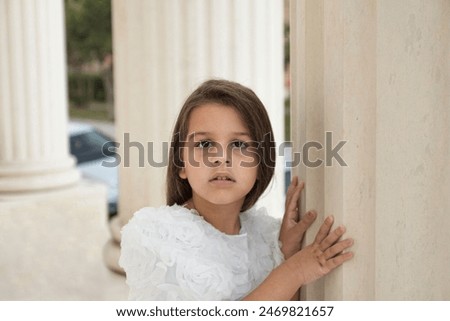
(89, 34)
(88, 24)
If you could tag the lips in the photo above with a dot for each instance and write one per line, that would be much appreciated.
(222, 177)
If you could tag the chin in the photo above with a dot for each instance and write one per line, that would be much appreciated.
(224, 202)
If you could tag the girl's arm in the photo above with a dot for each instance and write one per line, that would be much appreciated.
(309, 264)
(293, 228)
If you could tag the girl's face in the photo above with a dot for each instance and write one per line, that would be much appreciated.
(220, 161)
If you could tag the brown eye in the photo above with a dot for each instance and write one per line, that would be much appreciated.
(203, 144)
(239, 144)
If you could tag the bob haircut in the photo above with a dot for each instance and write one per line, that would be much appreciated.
(253, 113)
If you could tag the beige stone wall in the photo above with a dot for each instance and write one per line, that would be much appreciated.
(376, 74)
(413, 150)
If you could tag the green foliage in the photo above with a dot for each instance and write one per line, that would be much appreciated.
(84, 88)
(287, 118)
(88, 27)
(286, 45)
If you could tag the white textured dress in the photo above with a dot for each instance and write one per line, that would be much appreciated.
(172, 253)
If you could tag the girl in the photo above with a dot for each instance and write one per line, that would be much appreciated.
(209, 242)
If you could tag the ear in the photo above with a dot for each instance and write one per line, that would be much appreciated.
(182, 173)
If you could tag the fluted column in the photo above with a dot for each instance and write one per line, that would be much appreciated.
(52, 226)
(34, 151)
(375, 74)
(164, 50)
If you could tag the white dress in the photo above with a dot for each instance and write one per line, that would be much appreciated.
(172, 253)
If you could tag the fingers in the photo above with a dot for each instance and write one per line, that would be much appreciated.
(294, 180)
(305, 223)
(337, 248)
(292, 199)
(332, 238)
(324, 230)
(333, 250)
(338, 260)
(293, 187)
(292, 206)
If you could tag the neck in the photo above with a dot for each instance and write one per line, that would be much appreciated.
(225, 218)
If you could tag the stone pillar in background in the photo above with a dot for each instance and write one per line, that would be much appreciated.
(52, 226)
(34, 152)
(376, 74)
(162, 51)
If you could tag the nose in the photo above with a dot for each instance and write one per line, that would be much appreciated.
(220, 155)
(217, 161)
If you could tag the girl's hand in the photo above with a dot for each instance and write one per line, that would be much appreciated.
(292, 228)
(324, 255)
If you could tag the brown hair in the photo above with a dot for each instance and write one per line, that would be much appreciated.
(253, 114)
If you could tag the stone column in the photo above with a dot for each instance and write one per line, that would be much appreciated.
(162, 51)
(52, 226)
(376, 75)
(34, 152)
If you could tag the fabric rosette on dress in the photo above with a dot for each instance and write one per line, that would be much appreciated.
(170, 253)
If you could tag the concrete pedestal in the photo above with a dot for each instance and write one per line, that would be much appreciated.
(51, 246)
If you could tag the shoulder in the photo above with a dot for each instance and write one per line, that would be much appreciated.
(168, 224)
(158, 214)
(257, 219)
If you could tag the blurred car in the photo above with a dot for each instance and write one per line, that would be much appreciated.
(91, 147)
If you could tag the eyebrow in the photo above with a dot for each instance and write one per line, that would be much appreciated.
(208, 133)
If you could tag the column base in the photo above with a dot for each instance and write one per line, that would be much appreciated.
(51, 244)
(17, 178)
